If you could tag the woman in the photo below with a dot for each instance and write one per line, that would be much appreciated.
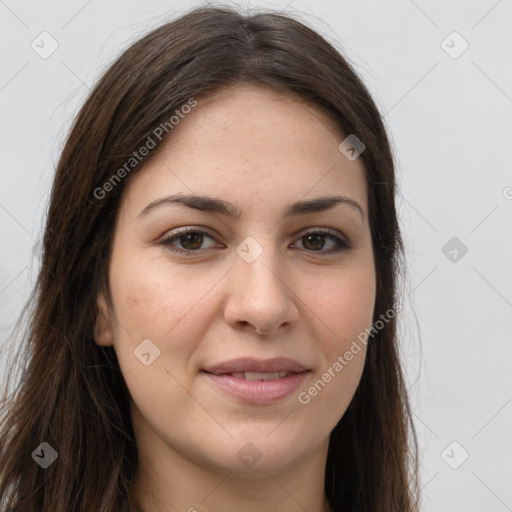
(214, 322)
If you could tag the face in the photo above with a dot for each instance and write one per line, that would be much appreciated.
(277, 293)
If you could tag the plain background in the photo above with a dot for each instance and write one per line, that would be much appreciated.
(449, 118)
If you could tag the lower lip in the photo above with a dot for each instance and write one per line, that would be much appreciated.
(259, 391)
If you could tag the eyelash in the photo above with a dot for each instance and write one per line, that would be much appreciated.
(168, 242)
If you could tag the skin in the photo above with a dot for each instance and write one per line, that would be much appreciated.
(259, 150)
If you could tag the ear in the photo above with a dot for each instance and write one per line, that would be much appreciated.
(103, 332)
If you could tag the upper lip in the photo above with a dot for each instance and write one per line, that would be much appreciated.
(248, 364)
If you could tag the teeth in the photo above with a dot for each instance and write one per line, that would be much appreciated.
(271, 376)
(253, 376)
(260, 376)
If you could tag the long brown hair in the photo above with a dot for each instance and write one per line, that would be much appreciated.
(71, 393)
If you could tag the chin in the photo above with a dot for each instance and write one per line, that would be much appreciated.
(257, 453)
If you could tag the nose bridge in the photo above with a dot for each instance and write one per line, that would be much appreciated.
(258, 263)
(259, 294)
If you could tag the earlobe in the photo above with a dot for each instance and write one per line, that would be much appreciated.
(102, 329)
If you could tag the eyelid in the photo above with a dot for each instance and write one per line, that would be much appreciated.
(175, 233)
(323, 230)
(343, 246)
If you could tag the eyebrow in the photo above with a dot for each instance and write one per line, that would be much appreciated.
(216, 205)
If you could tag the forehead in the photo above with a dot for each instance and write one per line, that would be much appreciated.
(250, 144)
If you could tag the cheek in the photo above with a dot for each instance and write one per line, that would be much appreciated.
(344, 308)
(151, 297)
(155, 311)
(344, 305)
(145, 309)
(156, 302)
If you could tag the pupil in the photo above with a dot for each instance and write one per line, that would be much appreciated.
(316, 238)
(190, 237)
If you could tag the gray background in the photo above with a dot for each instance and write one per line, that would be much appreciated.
(449, 117)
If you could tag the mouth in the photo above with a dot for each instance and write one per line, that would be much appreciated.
(257, 381)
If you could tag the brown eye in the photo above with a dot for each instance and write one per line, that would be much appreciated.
(187, 240)
(315, 241)
(191, 241)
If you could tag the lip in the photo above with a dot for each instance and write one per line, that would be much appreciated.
(249, 364)
(257, 391)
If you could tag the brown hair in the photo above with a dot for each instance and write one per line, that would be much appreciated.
(72, 394)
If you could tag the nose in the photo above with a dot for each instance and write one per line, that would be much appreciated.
(260, 295)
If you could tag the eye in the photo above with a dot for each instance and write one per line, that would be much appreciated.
(314, 241)
(190, 239)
